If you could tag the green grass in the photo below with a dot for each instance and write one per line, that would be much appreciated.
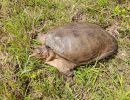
(22, 77)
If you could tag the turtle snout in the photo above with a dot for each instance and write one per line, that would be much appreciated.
(35, 53)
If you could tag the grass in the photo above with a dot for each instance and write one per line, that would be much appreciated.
(22, 77)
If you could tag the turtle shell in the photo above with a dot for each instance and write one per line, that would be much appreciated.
(79, 42)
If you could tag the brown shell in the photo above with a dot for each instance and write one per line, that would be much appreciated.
(80, 42)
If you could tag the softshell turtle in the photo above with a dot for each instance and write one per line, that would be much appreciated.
(75, 44)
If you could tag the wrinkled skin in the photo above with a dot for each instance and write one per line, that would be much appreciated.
(74, 44)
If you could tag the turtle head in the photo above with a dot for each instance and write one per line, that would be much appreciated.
(41, 52)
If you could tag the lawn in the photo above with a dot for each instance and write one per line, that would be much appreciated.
(25, 78)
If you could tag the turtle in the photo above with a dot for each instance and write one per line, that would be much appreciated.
(74, 44)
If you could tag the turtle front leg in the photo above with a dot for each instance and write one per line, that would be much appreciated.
(63, 66)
